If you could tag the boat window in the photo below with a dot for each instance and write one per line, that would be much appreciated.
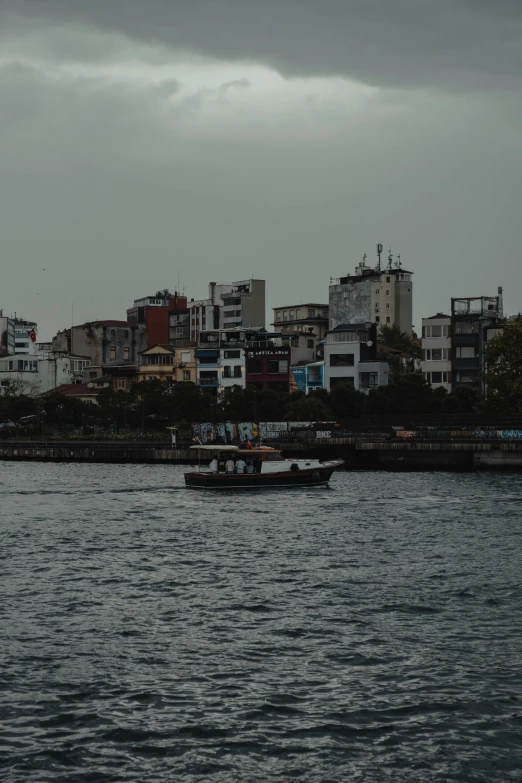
(273, 455)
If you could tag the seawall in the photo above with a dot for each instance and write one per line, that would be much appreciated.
(359, 453)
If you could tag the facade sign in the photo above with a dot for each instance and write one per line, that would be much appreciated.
(299, 374)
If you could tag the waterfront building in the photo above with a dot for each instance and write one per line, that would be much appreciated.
(155, 313)
(350, 357)
(7, 335)
(308, 377)
(37, 373)
(229, 306)
(437, 350)
(119, 377)
(381, 295)
(168, 364)
(105, 343)
(474, 320)
(311, 318)
(25, 336)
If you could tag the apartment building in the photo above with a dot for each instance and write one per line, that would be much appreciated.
(350, 357)
(311, 318)
(437, 351)
(474, 320)
(372, 294)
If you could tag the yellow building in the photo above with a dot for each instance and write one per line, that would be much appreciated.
(165, 363)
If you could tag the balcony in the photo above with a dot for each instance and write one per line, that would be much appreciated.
(209, 383)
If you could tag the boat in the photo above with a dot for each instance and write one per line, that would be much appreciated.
(271, 470)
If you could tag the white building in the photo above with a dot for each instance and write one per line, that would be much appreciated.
(25, 336)
(350, 353)
(40, 372)
(381, 295)
(229, 306)
(436, 350)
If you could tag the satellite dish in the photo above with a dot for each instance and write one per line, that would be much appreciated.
(369, 343)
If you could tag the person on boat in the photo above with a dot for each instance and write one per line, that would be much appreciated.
(240, 465)
(214, 465)
(249, 466)
(230, 465)
(221, 464)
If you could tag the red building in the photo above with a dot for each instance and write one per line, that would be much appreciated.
(153, 312)
(268, 367)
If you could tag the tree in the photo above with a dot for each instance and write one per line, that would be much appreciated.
(307, 409)
(504, 368)
(392, 337)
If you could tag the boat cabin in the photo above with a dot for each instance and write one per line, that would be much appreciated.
(257, 456)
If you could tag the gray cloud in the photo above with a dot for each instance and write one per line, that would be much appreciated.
(450, 44)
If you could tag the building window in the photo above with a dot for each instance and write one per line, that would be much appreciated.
(125, 353)
(368, 380)
(437, 377)
(388, 306)
(377, 291)
(278, 315)
(226, 372)
(388, 319)
(377, 318)
(120, 383)
(237, 371)
(342, 360)
(255, 366)
(388, 279)
(465, 352)
(387, 292)
(285, 315)
(310, 344)
(292, 315)
(436, 354)
(186, 375)
(113, 332)
(232, 354)
(126, 335)
(466, 327)
(311, 313)
(437, 331)
(377, 307)
(92, 375)
(113, 353)
(272, 366)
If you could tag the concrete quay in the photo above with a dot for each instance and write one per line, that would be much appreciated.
(359, 453)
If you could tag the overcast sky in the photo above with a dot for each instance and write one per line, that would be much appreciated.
(216, 139)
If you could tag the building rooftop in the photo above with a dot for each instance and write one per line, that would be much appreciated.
(301, 304)
(73, 390)
(437, 315)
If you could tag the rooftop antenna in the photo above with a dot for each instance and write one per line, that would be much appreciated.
(398, 262)
(390, 259)
(379, 251)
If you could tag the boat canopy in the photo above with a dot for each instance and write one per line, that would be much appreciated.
(216, 448)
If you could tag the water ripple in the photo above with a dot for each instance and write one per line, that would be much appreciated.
(368, 633)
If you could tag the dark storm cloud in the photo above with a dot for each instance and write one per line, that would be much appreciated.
(451, 44)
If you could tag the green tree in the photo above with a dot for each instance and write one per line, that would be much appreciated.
(308, 408)
(392, 336)
(504, 368)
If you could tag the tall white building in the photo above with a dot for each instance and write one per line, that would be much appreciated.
(436, 350)
(381, 295)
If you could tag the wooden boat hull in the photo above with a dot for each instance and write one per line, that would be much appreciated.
(313, 477)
